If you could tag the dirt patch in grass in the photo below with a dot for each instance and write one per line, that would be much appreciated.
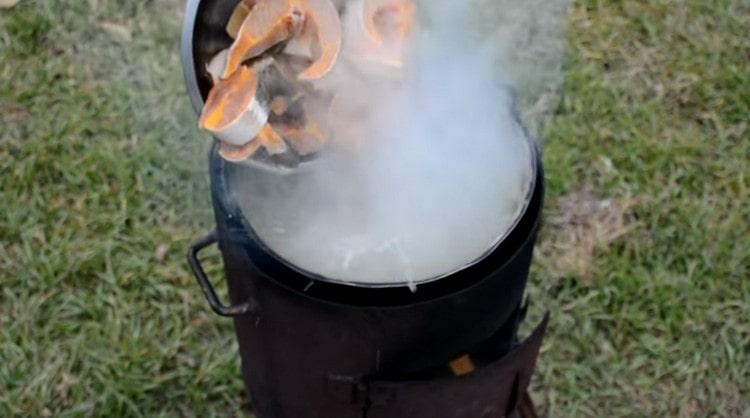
(581, 227)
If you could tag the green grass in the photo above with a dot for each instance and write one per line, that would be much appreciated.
(643, 262)
(100, 167)
(655, 113)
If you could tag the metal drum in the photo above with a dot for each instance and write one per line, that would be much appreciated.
(313, 347)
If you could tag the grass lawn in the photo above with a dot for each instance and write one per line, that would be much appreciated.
(644, 260)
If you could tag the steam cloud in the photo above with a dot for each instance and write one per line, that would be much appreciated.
(432, 171)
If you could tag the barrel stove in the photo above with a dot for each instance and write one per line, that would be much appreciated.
(316, 348)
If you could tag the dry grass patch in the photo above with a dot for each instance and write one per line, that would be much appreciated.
(580, 228)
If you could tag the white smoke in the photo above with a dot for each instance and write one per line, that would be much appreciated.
(431, 172)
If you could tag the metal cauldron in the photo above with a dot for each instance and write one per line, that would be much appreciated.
(302, 339)
(312, 348)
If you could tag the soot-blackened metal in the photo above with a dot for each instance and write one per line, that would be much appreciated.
(312, 349)
(317, 351)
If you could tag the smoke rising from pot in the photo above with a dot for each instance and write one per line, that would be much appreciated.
(431, 168)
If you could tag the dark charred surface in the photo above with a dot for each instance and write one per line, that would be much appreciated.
(317, 349)
(309, 348)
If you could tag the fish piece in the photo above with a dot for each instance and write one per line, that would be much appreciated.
(305, 140)
(237, 154)
(215, 67)
(271, 22)
(304, 44)
(267, 24)
(399, 14)
(382, 59)
(271, 140)
(280, 105)
(238, 16)
(232, 111)
(268, 139)
(323, 18)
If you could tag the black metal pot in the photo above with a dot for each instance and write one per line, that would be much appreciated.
(310, 348)
(301, 338)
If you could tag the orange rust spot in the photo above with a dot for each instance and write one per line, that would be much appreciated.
(229, 99)
(462, 366)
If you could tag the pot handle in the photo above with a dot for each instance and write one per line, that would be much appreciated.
(205, 284)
